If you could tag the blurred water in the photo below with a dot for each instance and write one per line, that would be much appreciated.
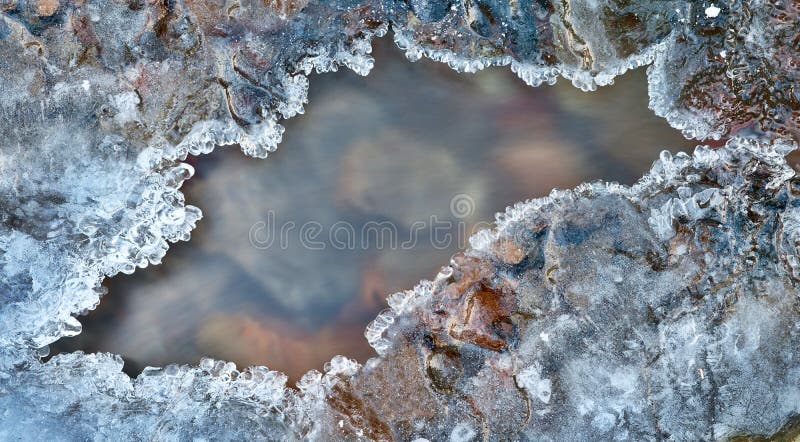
(394, 148)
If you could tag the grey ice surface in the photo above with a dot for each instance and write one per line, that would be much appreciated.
(662, 310)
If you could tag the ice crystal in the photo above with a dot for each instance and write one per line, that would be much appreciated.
(662, 310)
(715, 69)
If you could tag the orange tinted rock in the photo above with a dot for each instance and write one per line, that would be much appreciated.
(46, 8)
(509, 251)
(484, 317)
(287, 7)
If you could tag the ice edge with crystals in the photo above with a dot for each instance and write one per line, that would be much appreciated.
(663, 310)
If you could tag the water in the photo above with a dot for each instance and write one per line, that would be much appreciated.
(405, 163)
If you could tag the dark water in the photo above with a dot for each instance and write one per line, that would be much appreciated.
(392, 172)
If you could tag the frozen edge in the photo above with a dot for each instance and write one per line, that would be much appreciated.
(265, 391)
(164, 163)
(532, 74)
(267, 388)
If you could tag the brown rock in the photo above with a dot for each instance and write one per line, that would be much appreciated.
(46, 8)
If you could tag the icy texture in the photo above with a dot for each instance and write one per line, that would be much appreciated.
(716, 68)
(731, 66)
(100, 100)
(588, 42)
(663, 310)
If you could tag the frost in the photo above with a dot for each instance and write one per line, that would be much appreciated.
(715, 69)
(697, 333)
(531, 380)
(662, 310)
(712, 11)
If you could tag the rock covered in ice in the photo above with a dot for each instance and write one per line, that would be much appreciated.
(717, 68)
(588, 42)
(730, 67)
(666, 309)
(101, 100)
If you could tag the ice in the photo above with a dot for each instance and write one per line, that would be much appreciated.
(667, 309)
(553, 343)
(712, 11)
(704, 94)
(97, 113)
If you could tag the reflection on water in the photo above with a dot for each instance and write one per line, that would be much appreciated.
(390, 151)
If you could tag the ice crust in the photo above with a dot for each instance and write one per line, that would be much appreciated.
(662, 310)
